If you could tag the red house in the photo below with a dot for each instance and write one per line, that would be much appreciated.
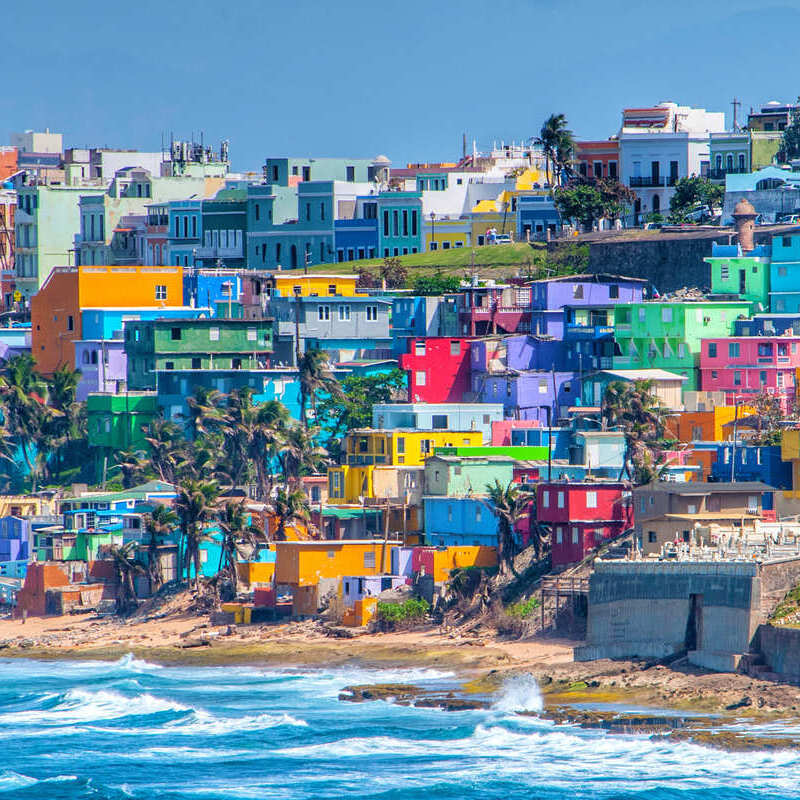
(582, 516)
(438, 369)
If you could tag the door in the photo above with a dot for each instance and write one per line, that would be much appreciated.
(694, 625)
(742, 280)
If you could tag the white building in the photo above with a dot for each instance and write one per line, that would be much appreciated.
(33, 142)
(662, 144)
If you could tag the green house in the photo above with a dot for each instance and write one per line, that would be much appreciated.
(195, 344)
(513, 452)
(667, 336)
(451, 476)
(745, 276)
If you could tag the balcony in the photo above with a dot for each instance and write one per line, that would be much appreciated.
(220, 252)
(486, 312)
(644, 182)
(719, 174)
(582, 332)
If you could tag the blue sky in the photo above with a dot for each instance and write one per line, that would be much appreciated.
(356, 78)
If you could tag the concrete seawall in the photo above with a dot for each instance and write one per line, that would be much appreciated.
(780, 648)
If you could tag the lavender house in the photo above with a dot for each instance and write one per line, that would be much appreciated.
(103, 366)
(527, 374)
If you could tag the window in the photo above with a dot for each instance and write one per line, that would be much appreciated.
(175, 334)
(542, 385)
(681, 350)
(213, 334)
(733, 349)
(455, 347)
(401, 444)
(169, 365)
(420, 377)
(434, 246)
(591, 499)
(252, 335)
(332, 289)
(561, 500)
(324, 313)
(577, 291)
(70, 323)
(559, 535)
(691, 508)
(161, 292)
(369, 560)
(419, 348)
(737, 378)
(439, 422)
(712, 349)
(350, 174)
(574, 535)
(666, 314)
(372, 313)
(344, 313)
(196, 363)
(545, 499)
(613, 291)
(642, 314)
(477, 514)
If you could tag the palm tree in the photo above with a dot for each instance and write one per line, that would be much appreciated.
(300, 454)
(159, 523)
(315, 377)
(195, 507)
(291, 505)
(166, 442)
(558, 144)
(126, 566)
(23, 395)
(206, 411)
(508, 504)
(636, 410)
(272, 425)
(68, 417)
(134, 465)
(238, 538)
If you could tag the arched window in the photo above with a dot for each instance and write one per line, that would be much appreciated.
(729, 162)
(719, 162)
(741, 162)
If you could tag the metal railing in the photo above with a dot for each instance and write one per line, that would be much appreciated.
(564, 586)
(646, 181)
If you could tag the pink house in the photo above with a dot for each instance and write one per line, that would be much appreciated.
(501, 429)
(743, 366)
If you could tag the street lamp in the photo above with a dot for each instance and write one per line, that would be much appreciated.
(433, 229)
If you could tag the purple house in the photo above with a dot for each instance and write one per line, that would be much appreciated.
(103, 366)
(552, 294)
(527, 374)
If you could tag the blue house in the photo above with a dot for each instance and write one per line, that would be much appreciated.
(399, 223)
(752, 463)
(536, 215)
(458, 521)
(15, 539)
(185, 231)
(784, 274)
(355, 239)
(561, 439)
(104, 324)
(206, 287)
(415, 317)
(768, 325)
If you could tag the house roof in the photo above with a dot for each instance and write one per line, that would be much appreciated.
(591, 277)
(644, 374)
(706, 487)
(712, 515)
(492, 459)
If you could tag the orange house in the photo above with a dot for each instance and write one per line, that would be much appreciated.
(56, 308)
(705, 426)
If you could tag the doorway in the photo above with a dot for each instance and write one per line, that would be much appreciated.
(694, 625)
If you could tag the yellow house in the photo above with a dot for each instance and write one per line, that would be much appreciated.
(482, 220)
(398, 483)
(371, 446)
(15, 505)
(306, 563)
(296, 282)
(790, 451)
(446, 233)
(446, 559)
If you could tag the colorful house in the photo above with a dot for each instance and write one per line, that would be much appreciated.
(452, 476)
(705, 426)
(745, 366)
(438, 369)
(399, 223)
(583, 516)
(421, 317)
(438, 416)
(306, 563)
(56, 309)
(459, 521)
(667, 336)
(743, 462)
(785, 274)
(667, 386)
(744, 274)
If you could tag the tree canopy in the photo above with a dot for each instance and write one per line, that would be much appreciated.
(690, 192)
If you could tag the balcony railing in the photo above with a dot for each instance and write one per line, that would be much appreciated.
(718, 174)
(574, 331)
(488, 311)
(646, 181)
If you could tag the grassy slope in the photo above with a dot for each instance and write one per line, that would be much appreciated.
(500, 258)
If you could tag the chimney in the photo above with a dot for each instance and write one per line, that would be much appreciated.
(744, 220)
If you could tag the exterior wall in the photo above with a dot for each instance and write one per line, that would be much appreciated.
(355, 239)
(598, 159)
(312, 285)
(399, 223)
(529, 394)
(446, 234)
(668, 335)
(451, 477)
(785, 275)
(746, 366)
(747, 276)
(643, 609)
(438, 369)
(668, 391)
(306, 563)
(103, 367)
(452, 521)
(555, 293)
(56, 321)
(705, 426)
(438, 416)
(752, 464)
(408, 447)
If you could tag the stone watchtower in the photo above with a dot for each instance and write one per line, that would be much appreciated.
(744, 220)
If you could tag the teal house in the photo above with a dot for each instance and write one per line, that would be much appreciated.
(399, 223)
(784, 295)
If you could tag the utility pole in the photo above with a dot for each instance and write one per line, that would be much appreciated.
(733, 443)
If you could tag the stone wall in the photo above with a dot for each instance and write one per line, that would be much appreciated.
(643, 609)
(777, 577)
(780, 648)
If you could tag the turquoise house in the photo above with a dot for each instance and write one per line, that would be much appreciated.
(784, 296)
(399, 223)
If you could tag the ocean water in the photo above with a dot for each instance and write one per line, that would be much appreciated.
(133, 729)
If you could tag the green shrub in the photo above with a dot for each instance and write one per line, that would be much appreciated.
(398, 613)
(523, 608)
